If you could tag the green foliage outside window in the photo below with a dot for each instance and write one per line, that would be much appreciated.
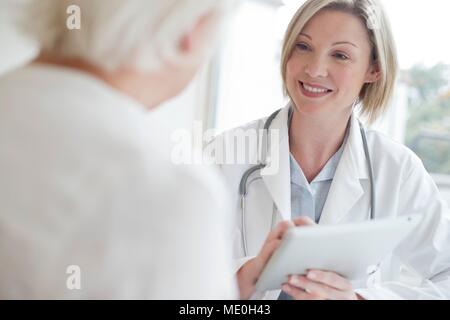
(428, 127)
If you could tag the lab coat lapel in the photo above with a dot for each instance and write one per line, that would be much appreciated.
(279, 184)
(346, 188)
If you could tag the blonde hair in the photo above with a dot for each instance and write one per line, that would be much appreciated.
(374, 97)
(137, 33)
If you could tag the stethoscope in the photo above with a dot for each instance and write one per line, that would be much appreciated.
(243, 188)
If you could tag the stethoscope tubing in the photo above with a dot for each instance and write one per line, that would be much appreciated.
(243, 188)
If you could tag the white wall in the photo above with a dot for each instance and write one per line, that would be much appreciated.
(15, 49)
(250, 84)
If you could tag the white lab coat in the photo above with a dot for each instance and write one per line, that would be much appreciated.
(418, 269)
(82, 182)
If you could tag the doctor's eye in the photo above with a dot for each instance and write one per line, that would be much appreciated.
(341, 56)
(302, 46)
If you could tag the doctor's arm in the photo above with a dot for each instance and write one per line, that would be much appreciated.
(248, 274)
(250, 271)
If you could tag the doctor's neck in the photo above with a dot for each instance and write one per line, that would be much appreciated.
(314, 139)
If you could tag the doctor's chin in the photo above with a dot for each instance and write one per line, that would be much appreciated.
(166, 150)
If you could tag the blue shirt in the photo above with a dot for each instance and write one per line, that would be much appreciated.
(308, 199)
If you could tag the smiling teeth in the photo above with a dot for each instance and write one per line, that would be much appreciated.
(314, 90)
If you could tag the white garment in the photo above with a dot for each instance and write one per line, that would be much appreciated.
(420, 266)
(82, 183)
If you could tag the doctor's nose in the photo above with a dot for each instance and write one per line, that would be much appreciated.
(316, 68)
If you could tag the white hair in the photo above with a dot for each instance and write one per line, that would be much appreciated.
(114, 33)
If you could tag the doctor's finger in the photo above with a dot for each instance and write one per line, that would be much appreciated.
(300, 294)
(319, 289)
(267, 251)
(303, 221)
(279, 231)
(329, 278)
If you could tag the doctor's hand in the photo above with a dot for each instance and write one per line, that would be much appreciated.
(249, 273)
(320, 285)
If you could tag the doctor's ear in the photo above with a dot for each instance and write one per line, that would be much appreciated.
(197, 37)
(374, 73)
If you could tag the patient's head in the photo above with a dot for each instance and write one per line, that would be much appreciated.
(135, 45)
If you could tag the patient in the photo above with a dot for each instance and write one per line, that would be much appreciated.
(84, 185)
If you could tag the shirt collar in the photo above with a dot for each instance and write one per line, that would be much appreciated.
(327, 172)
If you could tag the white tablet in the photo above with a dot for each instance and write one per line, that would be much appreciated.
(347, 249)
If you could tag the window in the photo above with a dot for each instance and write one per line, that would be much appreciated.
(425, 74)
(249, 85)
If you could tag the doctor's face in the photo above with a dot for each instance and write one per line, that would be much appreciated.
(330, 63)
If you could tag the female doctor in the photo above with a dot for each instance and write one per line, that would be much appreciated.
(337, 55)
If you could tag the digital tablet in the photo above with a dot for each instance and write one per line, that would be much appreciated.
(347, 249)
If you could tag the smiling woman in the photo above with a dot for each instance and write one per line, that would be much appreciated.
(361, 61)
(338, 56)
(321, 66)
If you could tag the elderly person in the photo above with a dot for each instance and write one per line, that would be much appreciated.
(89, 206)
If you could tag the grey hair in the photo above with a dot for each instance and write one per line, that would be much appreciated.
(114, 33)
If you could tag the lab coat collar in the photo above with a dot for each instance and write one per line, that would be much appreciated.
(278, 184)
(346, 188)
